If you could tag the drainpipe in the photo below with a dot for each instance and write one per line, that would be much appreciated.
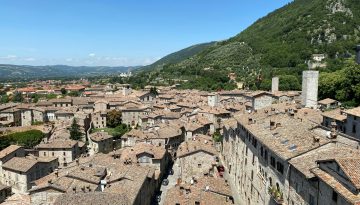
(289, 172)
(318, 188)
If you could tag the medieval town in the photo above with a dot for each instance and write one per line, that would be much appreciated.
(182, 147)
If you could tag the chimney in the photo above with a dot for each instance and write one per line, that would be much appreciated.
(250, 121)
(333, 133)
(275, 84)
(358, 54)
(272, 125)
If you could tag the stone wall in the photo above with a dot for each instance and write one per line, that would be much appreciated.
(195, 165)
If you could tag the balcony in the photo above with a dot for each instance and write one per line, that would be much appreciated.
(276, 196)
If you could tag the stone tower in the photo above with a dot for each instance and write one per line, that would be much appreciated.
(358, 54)
(310, 83)
(213, 100)
(275, 84)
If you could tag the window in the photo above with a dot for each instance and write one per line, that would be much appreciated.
(64, 153)
(53, 154)
(197, 203)
(272, 161)
(354, 128)
(199, 165)
(280, 167)
(254, 142)
(253, 159)
(334, 196)
(265, 155)
(252, 175)
(44, 154)
(246, 151)
(262, 151)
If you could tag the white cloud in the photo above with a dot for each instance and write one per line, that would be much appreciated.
(9, 57)
(29, 59)
(92, 55)
(68, 59)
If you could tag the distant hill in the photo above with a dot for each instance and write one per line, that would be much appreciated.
(54, 71)
(178, 56)
(277, 44)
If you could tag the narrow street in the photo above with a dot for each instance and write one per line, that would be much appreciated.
(172, 182)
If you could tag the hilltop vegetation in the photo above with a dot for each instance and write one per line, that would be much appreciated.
(178, 56)
(278, 44)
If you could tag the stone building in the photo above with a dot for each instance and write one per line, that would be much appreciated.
(19, 172)
(196, 158)
(99, 119)
(101, 179)
(353, 122)
(131, 115)
(7, 154)
(344, 121)
(65, 150)
(11, 116)
(205, 190)
(62, 102)
(146, 97)
(147, 155)
(101, 142)
(329, 103)
(270, 155)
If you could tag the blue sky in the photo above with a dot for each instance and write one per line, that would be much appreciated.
(117, 32)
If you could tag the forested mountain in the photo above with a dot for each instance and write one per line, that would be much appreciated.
(24, 72)
(178, 56)
(277, 44)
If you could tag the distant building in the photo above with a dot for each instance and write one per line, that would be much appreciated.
(317, 61)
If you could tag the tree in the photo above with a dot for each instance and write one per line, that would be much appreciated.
(74, 94)
(35, 98)
(4, 99)
(154, 91)
(18, 97)
(51, 96)
(63, 91)
(289, 82)
(113, 118)
(75, 133)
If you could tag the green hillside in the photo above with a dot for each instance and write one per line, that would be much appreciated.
(178, 56)
(277, 44)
